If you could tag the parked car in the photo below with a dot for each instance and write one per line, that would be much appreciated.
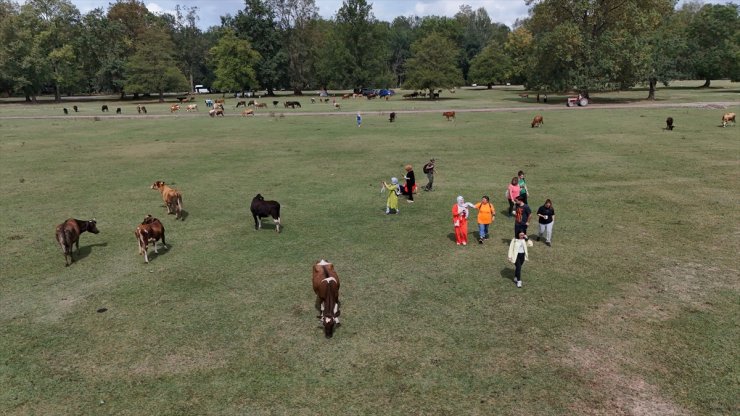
(384, 93)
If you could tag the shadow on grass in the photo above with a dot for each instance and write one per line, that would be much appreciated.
(507, 273)
(85, 251)
(162, 251)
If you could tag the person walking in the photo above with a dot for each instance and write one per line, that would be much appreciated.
(410, 184)
(391, 204)
(523, 191)
(518, 254)
(486, 215)
(428, 170)
(546, 214)
(512, 193)
(521, 216)
(359, 119)
(460, 214)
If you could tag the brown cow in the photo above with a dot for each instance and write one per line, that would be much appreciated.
(171, 197)
(68, 234)
(174, 107)
(191, 107)
(150, 230)
(537, 121)
(449, 115)
(247, 112)
(326, 286)
(727, 118)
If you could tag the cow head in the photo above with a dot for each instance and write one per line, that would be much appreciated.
(259, 197)
(91, 226)
(329, 322)
(157, 185)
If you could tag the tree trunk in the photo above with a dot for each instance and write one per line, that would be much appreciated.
(651, 91)
(161, 96)
(297, 91)
(490, 85)
(706, 83)
(123, 94)
(270, 92)
(57, 95)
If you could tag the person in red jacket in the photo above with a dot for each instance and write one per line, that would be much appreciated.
(460, 215)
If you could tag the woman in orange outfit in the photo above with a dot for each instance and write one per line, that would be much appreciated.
(460, 214)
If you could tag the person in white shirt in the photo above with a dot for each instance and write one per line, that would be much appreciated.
(518, 255)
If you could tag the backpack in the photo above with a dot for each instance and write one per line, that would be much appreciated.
(427, 168)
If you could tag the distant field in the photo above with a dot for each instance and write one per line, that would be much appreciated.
(633, 310)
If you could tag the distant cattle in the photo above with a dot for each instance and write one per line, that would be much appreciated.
(313, 101)
(216, 112)
(185, 99)
(292, 104)
(337, 106)
(65, 111)
(325, 282)
(104, 108)
(118, 110)
(411, 95)
(275, 103)
(141, 109)
(537, 121)
(346, 96)
(392, 117)
(241, 103)
(74, 107)
(449, 114)
(247, 112)
(220, 101)
(260, 105)
(149, 231)
(171, 197)
(174, 107)
(68, 234)
(669, 123)
(191, 107)
(263, 209)
(727, 118)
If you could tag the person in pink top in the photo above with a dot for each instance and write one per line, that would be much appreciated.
(512, 193)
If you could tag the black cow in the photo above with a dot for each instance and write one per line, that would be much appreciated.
(392, 118)
(74, 107)
(65, 111)
(68, 234)
(669, 123)
(292, 104)
(263, 209)
(104, 108)
(118, 110)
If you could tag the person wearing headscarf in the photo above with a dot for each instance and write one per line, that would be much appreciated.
(460, 213)
(391, 204)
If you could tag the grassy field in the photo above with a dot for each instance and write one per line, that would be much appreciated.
(634, 310)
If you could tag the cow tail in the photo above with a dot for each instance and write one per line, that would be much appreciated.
(64, 242)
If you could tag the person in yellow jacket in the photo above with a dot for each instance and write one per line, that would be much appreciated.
(391, 204)
(486, 215)
(518, 254)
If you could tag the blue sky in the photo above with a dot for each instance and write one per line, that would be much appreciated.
(501, 11)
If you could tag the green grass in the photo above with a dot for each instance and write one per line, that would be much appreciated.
(634, 309)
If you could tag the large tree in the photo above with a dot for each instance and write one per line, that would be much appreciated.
(153, 67)
(592, 44)
(295, 19)
(491, 65)
(714, 36)
(233, 60)
(433, 64)
(256, 23)
(363, 40)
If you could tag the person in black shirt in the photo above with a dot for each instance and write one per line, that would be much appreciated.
(521, 217)
(408, 188)
(546, 214)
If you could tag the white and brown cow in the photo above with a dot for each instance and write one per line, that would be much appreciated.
(149, 231)
(325, 283)
(68, 234)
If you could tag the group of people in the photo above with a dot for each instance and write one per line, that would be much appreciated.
(408, 188)
(517, 196)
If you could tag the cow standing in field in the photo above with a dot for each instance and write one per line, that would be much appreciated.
(537, 121)
(74, 107)
(68, 234)
(325, 282)
(669, 123)
(174, 107)
(191, 107)
(263, 209)
(150, 230)
(392, 117)
(449, 114)
(104, 108)
(727, 118)
(171, 197)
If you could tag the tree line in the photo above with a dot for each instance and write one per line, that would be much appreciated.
(48, 46)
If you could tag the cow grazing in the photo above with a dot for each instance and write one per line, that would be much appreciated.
(141, 109)
(150, 230)
(292, 104)
(174, 107)
(65, 111)
(171, 197)
(263, 209)
(313, 101)
(325, 283)
(392, 117)
(727, 118)
(74, 107)
(260, 105)
(449, 114)
(337, 106)
(191, 107)
(118, 110)
(216, 112)
(68, 234)
(275, 103)
(247, 112)
(669, 123)
(537, 121)
(104, 108)
(241, 103)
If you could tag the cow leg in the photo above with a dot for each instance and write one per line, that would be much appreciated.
(164, 245)
(154, 243)
(319, 306)
(277, 224)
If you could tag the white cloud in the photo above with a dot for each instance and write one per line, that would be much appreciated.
(158, 10)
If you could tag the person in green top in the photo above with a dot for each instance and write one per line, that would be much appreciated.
(523, 191)
(391, 205)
